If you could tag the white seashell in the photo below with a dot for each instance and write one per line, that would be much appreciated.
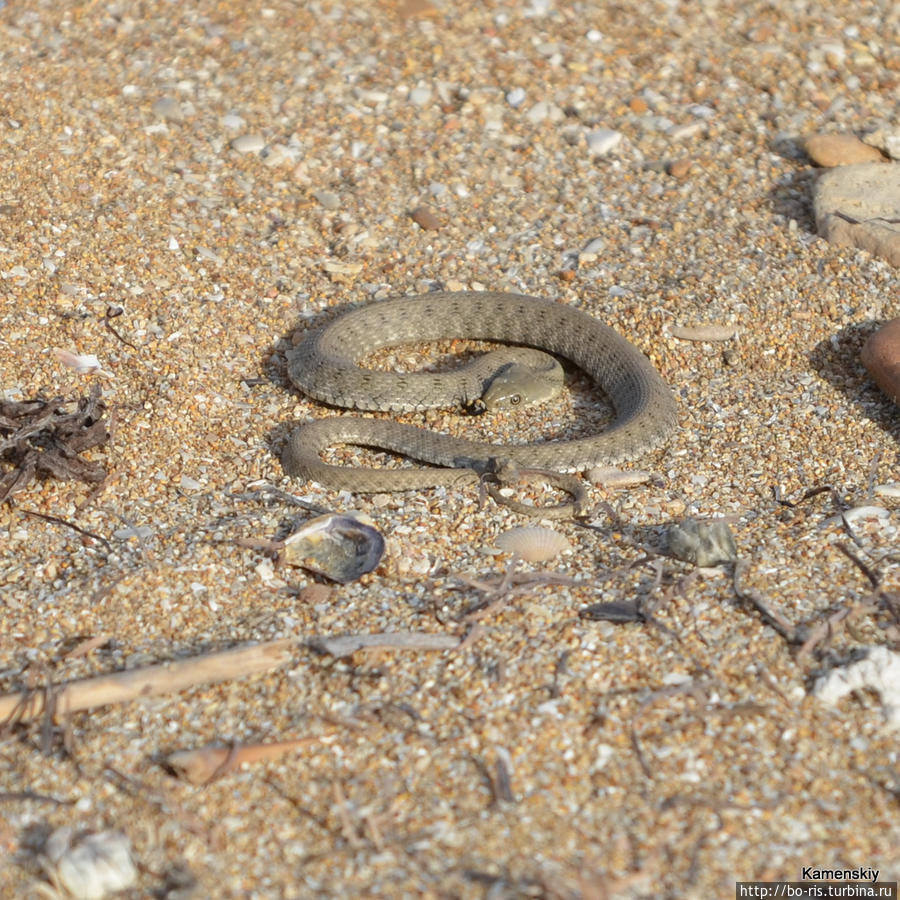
(892, 489)
(533, 544)
(91, 866)
(81, 362)
(861, 513)
(612, 477)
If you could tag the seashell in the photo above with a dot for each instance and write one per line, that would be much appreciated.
(702, 543)
(89, 866)
(533, 544)
(337, 546)
(612, 477)
(864, 513)
(891, 489)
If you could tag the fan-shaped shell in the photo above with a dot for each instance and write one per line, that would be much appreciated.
(533, 544)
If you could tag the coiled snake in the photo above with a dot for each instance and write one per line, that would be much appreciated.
(325, 366)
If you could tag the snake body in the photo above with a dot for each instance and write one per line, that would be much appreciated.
(325, 366)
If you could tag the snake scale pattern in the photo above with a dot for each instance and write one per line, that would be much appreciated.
(325, 366)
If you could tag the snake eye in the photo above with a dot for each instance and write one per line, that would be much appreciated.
(515, 400)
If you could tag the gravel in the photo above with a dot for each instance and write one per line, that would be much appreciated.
(551, 755)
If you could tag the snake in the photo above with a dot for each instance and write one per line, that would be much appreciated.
(325, 366)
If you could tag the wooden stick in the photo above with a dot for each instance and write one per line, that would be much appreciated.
(348, 644)
(203, 765)
(120, 687)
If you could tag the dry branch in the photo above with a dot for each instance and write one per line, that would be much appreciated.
(348, 644)
(203, 765)
(121, 687)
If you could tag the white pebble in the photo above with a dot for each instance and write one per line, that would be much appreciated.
(248, 143)
(327, 199)
(420, 96)
(542, 110)
(603, 141)
(590, 250)
(233, 121)
(892, 489)
(516, 97)
(168, 108)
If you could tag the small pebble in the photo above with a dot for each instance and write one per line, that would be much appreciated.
(168, 108)
(516, 97)
(887, 141)
(881, 357)
(327, 199)
(590, 250)
(703, 332)
(680, 168)
(425, 218)
(420, 96)
(603, 141)
(839, 150)
(233, 121)
(685, 131)
(544, 111)
(249, 143)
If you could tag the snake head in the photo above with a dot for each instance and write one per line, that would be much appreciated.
(519, 384)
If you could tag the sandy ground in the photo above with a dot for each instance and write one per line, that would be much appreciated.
(553, 756)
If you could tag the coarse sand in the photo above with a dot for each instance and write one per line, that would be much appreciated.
(184, 188)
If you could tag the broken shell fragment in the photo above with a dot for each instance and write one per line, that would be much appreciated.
(533, 544)
(337, 546)
(89, 866)
(618, 611)
(702, 543)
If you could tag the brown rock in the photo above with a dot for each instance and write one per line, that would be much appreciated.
(881, 357)
(840, 150)
(679, 168)
(638, 105)
(425, 218)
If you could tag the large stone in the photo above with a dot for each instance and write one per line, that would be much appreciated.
(881, 357)
(859, 206)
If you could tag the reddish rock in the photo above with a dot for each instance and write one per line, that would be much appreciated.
(881, 357)
(840, 150)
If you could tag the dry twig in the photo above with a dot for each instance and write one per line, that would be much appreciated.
(120, 687)
(203, 765)
(37, 437)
